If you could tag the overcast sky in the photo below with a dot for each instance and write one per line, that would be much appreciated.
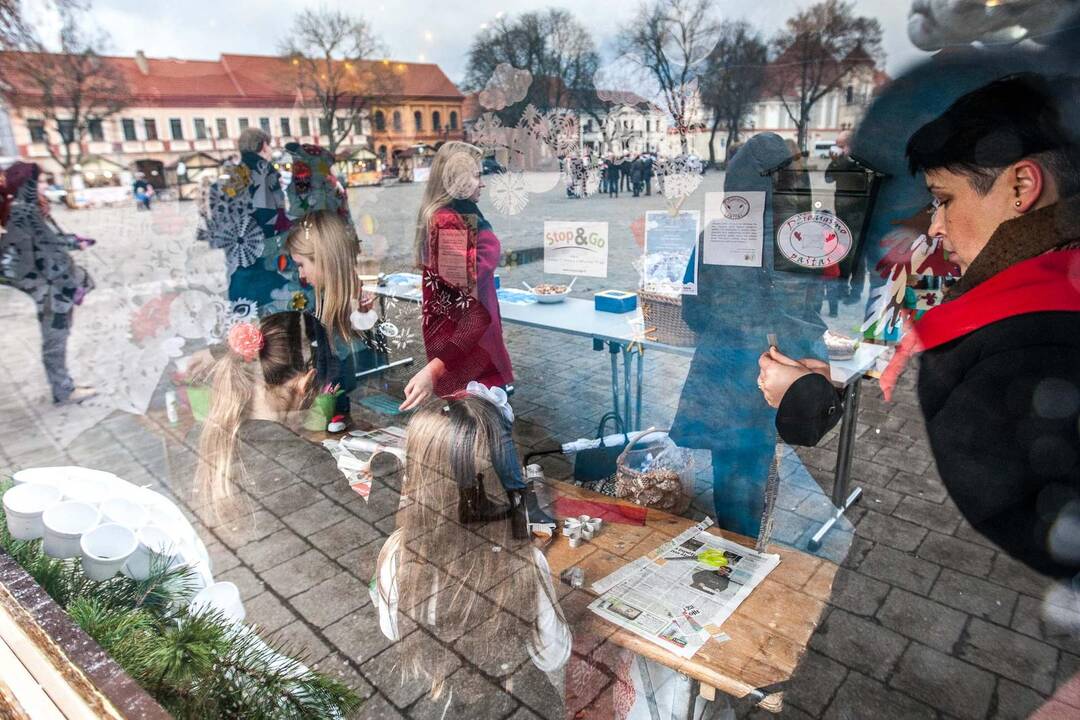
(415, 30)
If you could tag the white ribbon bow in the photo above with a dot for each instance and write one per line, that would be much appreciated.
(494, 395)
(363, 321)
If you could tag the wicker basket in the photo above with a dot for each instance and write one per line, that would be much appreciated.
(669, 488)
(664, 319)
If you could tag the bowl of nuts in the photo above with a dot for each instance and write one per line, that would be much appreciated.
(549, 293)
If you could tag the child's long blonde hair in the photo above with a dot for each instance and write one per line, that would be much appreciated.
(450, 565)
(332, 246)
(286, 352)
(452, 178)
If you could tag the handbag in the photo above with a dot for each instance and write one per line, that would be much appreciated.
(595, 468)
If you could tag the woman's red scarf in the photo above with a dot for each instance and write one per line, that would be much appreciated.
(1047, 283)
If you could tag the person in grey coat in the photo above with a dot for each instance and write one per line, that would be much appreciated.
(35, 258)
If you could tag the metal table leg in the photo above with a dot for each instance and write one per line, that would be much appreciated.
(613, 349)
(841, 499)
(627, 356)
(640, 382)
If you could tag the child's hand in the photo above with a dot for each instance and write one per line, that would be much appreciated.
(422, 385)
(366, 301)
(776, 377)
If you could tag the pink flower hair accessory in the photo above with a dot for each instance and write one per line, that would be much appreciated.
(246, 340)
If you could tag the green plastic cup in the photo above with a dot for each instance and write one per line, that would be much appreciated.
(199, 399)
(321, 412)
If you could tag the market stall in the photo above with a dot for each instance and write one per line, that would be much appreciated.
(359, 167)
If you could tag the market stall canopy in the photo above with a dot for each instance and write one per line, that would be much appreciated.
(356, 155)
(196, 161)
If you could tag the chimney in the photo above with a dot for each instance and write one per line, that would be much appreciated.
(141, 62)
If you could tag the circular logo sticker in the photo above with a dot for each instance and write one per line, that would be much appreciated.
(389, 330)
(814, 239)
(735, 207)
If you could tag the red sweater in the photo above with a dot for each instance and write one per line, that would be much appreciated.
(461, 321)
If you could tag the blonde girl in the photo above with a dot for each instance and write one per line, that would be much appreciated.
(433, 568)
(457, 252)
(268, 372)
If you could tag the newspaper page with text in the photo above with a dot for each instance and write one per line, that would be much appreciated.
(680, 594)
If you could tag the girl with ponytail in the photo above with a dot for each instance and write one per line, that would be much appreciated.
(267, 375)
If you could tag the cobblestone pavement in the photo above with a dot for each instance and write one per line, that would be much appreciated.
(926, 619)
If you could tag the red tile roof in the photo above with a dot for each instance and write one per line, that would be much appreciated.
(245, 80)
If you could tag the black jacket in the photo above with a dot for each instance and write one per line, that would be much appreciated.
(1002, 409)
(810, 408)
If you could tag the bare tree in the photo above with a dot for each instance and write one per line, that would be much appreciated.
(336, 68)
(72, 91)
(815, 52)
(672, 39)
(735, 77)
(553, 46)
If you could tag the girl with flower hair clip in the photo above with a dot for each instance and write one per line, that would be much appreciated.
(265, 378)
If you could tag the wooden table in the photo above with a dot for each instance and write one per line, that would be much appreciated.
(769, 632)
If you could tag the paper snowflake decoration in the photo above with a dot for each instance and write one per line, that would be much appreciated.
(508, 193)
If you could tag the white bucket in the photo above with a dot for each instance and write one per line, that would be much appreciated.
(152, 541)
(122, 511)
(105, 549)
(223, 597)
(65, 523)
(24, 505)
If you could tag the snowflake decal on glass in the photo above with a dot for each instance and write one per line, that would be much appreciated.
(508, 193)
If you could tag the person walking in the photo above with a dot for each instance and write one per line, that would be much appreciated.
(612, 177)
(648, 173)
(34, 258)
(637, 175)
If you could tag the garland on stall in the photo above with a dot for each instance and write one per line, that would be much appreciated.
(196, 664)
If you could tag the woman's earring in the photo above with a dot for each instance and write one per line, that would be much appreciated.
(1018, 203)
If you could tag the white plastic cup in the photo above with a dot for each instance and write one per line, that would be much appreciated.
(105, 549)
(55, 475)
(571, 525)
(24, 505)
(123, 511)
(223, 597)
(84, 490)
(587, 533)
(65, 523)
(152, 541)
(594, 525)
(583, 519)
(575, 541)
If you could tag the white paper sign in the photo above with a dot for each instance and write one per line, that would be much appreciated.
(734, 228)
(576, 248)
(454, 256)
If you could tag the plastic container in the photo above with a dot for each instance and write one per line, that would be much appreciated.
(152, 541)
(24, 505)
(223, 597)
(65, 524)
(321, 412)
(124, 511)
(105, 549)
(655, 472)
(84, 490)
(198, 397)
(42, 475)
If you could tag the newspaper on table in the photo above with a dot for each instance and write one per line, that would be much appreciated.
(679, 595)
(365, 454)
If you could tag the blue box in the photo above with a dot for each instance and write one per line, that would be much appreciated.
(498, 281)
(615, 301)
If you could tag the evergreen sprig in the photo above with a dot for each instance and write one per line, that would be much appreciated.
(197, 664)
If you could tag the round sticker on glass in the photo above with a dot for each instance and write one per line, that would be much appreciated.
(735, 207)
(814, 239)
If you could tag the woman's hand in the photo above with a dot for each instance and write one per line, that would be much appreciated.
(777, 373)
(422, 385)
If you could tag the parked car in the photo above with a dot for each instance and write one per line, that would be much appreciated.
(491, 165)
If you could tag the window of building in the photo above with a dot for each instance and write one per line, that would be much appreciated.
(342, 124)
(397, 121)
(150, 126)
(264, 123)
(436, 121)
(358, 125)
(97, 130)
(849, 94)
(324, 126)
(37, 130)
(176, 129)
(305, 126)
(453, 121)
(129, 129)
(380, 121)
(286, 129)
(200, 128)
(67, 130)
(222, 128)
(243, 124)
(418, 121)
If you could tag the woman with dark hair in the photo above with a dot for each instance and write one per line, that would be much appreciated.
(999, 376)
(34, 257)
